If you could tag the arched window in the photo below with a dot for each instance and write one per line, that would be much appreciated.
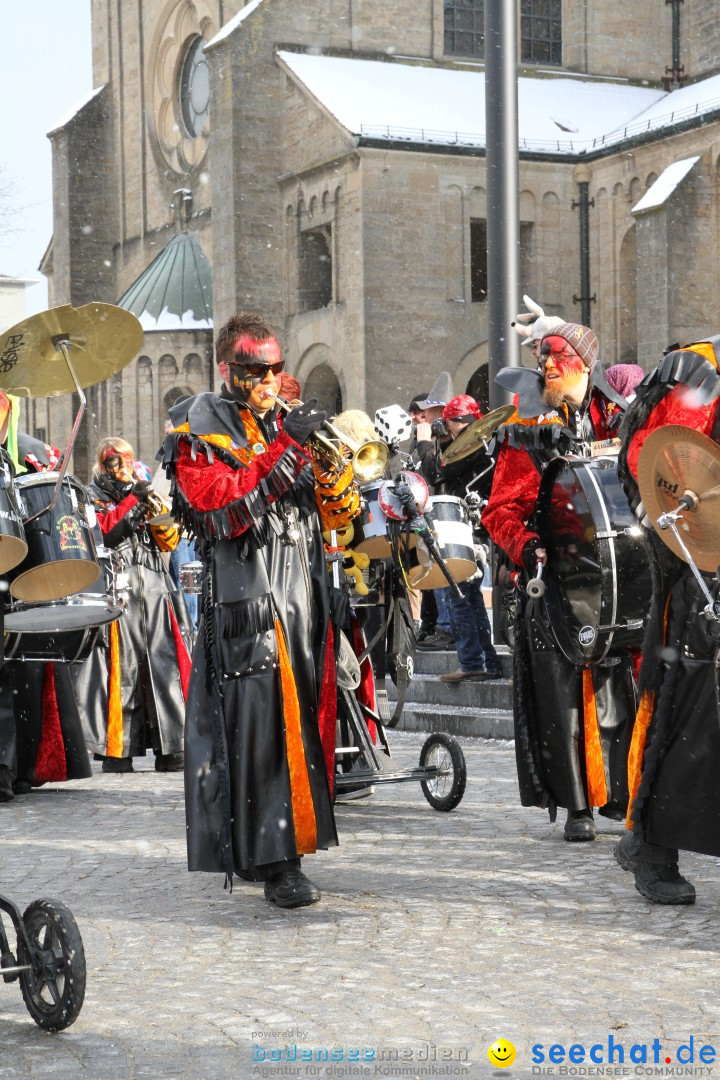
(322, 383)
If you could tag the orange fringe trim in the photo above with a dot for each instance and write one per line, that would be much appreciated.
(303, 809)
(594, 764)
(115, 718)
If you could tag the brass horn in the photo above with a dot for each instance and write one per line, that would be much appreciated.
(369, 459)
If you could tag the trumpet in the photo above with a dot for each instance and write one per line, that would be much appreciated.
(369, 459)
(158, 510)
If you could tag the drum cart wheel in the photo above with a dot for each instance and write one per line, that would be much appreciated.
(444, 755)
(50, 965)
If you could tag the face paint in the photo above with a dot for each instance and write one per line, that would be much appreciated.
(252, 362)
(562, 369)
(250, 352)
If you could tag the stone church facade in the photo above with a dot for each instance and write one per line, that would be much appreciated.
(363, 243)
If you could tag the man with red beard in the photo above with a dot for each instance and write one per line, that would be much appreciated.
(572, 725)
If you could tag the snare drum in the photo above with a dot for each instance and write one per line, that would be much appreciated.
(64, 648)
(190, 576)
(99, 605)
(448, 518)
(598, 585)
(61, 557)
(371, 528)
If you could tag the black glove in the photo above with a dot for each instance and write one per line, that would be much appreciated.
(303, 420)
(140, 489)
(528, 555)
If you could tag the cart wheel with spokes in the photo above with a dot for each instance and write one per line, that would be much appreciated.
(54, 988)
(444, 753)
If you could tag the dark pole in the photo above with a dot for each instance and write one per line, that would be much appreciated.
(582, 175)
(503, 231)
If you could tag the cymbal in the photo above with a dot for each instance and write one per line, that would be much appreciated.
(675, 461)
(472, 438)
(103, 339)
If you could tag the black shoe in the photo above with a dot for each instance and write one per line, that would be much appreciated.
(6, 784)
(494, 673)
(625, 852)
(117, 764)
(22, 787)
(439, 640)
(170, 762)
(424, 633)
(663, 883)
(613, 811)
(579, 825)
(290, 889)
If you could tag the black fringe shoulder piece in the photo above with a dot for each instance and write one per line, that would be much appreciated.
(688, 367)
(552, 439)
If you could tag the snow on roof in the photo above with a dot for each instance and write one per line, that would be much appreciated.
(77, 108)
(167, 320)
(227, 29)
(421, 103)
(661, 190)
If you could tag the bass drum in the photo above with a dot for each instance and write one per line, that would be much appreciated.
(448, 518)
(598, 585)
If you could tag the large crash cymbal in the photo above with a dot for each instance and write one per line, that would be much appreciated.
(678, 461)
(472, 438)
(102, 339)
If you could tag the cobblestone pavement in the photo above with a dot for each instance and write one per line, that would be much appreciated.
(437, 934)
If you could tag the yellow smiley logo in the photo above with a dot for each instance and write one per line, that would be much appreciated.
(501, 1053)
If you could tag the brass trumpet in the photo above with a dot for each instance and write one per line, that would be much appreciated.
(369, 459)
(158, 510)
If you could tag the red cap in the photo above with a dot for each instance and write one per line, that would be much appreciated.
(462, 407)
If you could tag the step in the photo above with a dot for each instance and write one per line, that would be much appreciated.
(461, 720)
(428, 690)
(438, 662)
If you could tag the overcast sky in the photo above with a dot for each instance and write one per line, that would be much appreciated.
(46, 68)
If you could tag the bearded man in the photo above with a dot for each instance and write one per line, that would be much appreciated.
(261, 710)
(572, 725)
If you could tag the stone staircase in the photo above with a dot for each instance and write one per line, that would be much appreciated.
(481, 709)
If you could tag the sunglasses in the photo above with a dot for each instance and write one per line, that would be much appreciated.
(256, 371)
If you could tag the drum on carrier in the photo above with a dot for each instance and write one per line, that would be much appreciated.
(598, 584)
(372, 527)
(61, 559)
(448, 518)
(13, 546)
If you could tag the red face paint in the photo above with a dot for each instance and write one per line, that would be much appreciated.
(250, 352)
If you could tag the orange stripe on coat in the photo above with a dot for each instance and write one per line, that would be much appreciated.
(594, 764)
(303, 809)
(637, 749)
(115, 718)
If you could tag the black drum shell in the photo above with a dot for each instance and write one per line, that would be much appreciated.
(61, 557)
(598, 583)
(64, 647)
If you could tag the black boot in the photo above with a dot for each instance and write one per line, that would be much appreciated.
(169, 762)
(660, 882)
(290, 889)
(117, 765)
(6, 784)
(579, 825)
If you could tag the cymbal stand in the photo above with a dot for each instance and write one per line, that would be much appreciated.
(668, 520)
(62, 344)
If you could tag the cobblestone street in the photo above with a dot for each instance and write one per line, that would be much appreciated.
(437, 934)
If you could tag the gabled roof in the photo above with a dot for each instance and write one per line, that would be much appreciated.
(175, 291)
(562, 114)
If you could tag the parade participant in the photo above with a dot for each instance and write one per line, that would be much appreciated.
(131, 691)
(471, 627)
(261, 713)
(572, 726)
(675, 754)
